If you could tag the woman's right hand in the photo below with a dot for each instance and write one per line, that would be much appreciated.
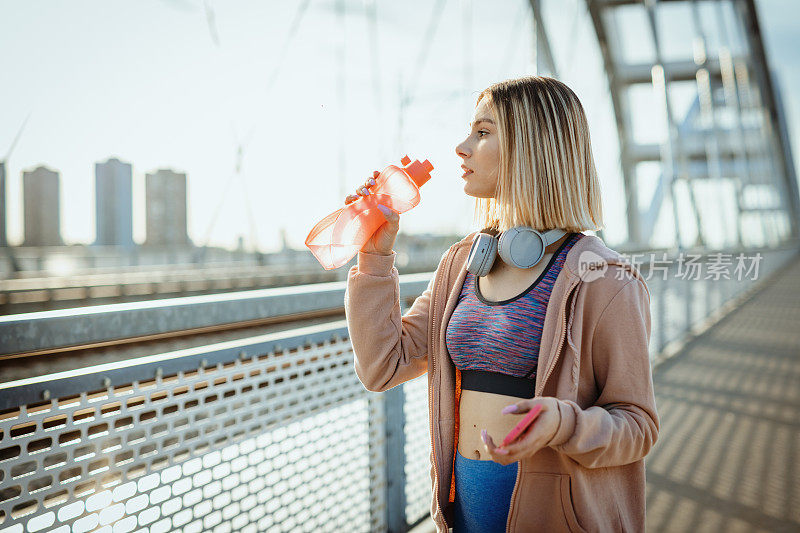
(382, 241)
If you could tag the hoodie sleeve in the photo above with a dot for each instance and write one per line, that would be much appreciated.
(623, 424)
(389, 349)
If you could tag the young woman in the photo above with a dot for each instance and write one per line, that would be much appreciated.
(570, 333)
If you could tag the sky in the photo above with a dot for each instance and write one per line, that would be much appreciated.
(153, 83)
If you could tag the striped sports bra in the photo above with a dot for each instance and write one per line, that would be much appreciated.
(495, 345)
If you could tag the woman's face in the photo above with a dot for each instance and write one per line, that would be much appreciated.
(481, 153)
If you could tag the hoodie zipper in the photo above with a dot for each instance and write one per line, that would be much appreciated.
(432, 345)
(513, 495)
(562, 335)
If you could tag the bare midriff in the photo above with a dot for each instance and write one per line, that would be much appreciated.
(482, 410)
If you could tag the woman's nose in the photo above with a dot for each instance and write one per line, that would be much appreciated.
(461, 150)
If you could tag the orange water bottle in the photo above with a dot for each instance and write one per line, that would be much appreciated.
(338, 237)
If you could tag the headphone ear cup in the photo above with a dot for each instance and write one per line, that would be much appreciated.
(521, 246)
(482, 254)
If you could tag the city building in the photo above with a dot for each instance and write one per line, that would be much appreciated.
(165, 198)
(3, 209)
(40, 189)
(113, 203)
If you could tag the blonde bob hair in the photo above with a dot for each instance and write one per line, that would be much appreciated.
(547, 177)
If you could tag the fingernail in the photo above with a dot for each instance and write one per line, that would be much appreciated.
(484, 437)
(501, 451)
(384, 209)
(371, 181)
(510, 409)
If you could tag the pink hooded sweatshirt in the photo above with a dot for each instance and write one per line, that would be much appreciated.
(593, 359)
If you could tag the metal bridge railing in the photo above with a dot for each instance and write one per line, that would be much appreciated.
(273, 433)
(686, 300)
(267, 433)
(26, 294)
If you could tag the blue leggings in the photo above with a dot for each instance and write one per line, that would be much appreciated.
(483, 495)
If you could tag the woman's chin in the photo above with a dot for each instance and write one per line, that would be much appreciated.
(473, 194)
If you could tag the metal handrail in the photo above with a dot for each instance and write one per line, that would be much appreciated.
(86, 326)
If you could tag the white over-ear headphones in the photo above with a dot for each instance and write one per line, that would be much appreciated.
(520, 246)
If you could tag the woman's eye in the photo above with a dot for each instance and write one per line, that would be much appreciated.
(482, 132)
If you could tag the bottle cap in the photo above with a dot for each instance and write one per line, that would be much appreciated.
(419, 172)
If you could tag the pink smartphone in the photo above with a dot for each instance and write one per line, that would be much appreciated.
(524, 423)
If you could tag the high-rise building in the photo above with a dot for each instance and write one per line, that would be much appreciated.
(165, 195)
(3, 231)
(40, 191)
(113, 203)
(284, 240)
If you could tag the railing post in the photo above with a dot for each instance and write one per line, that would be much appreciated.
(377, 455)
(707, 286)
(395, 460)
(662, 315)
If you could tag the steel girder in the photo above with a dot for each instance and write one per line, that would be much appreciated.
(698, 146)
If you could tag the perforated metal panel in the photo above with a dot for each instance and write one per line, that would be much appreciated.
(285, 441)
(417, 448)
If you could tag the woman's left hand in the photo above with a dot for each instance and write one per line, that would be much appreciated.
(533, 438)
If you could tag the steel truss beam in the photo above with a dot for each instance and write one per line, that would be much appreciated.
(698, 147)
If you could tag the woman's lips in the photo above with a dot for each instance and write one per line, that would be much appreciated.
(465, 174)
